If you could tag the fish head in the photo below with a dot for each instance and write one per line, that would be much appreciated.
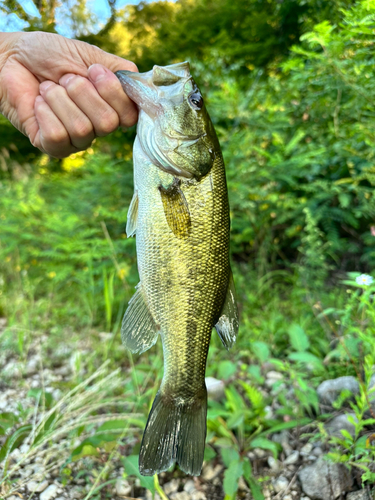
(174, 128)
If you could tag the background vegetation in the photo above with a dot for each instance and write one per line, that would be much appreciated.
(290, 88)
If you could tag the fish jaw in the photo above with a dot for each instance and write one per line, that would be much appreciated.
(139, 87)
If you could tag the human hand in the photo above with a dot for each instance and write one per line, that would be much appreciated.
(61, 93)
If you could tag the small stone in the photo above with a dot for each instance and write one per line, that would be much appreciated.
(280, 484)
(75, 493)
(215, 388)
(324, 480)
(123, 488)
(180, 495)
(149, 496)
(49, 493)
(292, 458)
(275, 375)
(198, 495)
(189, 486)
(210, 472)
(317, 451)
(260, 453)
(171, 487)
(306, 449)
(329, 390)
(358, 495)
(274, 464)
(269, 415)
(287, 497)
(283, 438)
(37, 487)
(341, 422)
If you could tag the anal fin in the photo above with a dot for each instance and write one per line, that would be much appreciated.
(139, 331)
(227, 325)
(131, 224)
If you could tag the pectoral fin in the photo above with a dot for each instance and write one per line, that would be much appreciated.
(131, 224)
(139, 331)
(227, 326)
(176, 209)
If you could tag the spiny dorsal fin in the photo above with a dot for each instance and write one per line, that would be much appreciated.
(176, 209)
(131, 224)
(139, 331)
(227, 326)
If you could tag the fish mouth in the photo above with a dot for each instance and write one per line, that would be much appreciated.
(147, 89)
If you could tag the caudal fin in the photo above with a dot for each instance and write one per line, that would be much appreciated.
(175, 432)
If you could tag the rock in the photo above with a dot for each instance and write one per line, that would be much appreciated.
(287, 497)
(272, 374)
(180, 495)
(283, 438)
(209, 473)
(317, 451)
(329, 390)
(358, 495)
(306, 449)
(292, 459)
(49, 493)
(37, 487)
(339, 423)
(123, 488)
(280, 484)
(198, 495)
(75, 493)
(324, 480)
(215, 388)
(150, 497)
(269, 415)
(259, 453)
(274, 464)
(171, 487)
(189, 486)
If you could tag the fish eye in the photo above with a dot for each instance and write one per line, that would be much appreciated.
(196, 100)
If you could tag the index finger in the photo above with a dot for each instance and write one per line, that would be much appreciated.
(110, 89)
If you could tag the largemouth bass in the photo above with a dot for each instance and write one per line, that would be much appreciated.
(180, 216)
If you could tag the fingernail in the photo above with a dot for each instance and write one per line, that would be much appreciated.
(96, 73)
(65, 79)
(44, 86)
(39, 98)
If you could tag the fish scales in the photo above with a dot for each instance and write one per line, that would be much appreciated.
(180, 215)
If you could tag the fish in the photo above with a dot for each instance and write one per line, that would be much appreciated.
(179, 215)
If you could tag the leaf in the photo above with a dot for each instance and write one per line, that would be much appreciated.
(113, 425)
(226, 369)
(261, 351)
(286, 425)
(229, 455)
(253, 483)
(298, 338)
(14, 440)
(265, 444)
(209, 453)
(231, 477)
(44, 398)
(7, 421)
(306, 357)
(131, 468)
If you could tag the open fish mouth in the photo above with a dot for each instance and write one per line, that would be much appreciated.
(146, 89)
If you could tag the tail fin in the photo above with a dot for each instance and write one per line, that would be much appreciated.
(175, 432)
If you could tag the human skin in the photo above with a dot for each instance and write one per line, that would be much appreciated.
(61, 93)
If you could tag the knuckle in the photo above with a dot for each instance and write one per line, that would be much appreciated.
(77, 85)
(108, 123)
(55, 135)
(82, 129)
